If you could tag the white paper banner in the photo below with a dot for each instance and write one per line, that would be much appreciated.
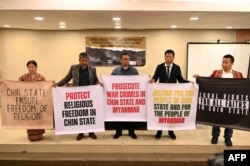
(78, 109)
(172, 106)
(125, 97)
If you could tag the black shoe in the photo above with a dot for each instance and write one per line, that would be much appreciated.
(116, 136)
(214, 140)
(228, 142)
(132, 135)
(158, 134)
(79, 136)
(92, 135)
(172, 135)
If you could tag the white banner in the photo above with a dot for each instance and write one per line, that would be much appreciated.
(172, 106)
(125, 97)
(78, 109)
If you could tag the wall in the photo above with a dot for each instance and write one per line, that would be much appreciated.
(55, 51)
(243, 35)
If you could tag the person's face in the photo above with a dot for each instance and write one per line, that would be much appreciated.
(125, 61)
(32, 68)
(169, 58)
(227, 64)
(83, 62)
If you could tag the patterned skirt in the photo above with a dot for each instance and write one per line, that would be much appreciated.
(35, 134)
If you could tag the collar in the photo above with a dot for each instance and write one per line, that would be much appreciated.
(168, 65)
(83, 69)
(231, 71)
(125, 69)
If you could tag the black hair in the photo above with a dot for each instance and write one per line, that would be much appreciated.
(83, 55)
(123, 53)
(169, 51)
(33, 62)
(230, 57)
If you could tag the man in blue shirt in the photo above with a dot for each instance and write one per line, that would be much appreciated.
(125, 69)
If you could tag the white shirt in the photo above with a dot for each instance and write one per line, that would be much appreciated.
(227, 74)
(169, 67)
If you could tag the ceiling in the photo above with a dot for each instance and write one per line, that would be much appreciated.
(160, 18)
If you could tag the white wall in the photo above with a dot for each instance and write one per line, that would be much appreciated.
(55, 51)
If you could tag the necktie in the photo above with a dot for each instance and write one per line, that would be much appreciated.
(168, 72)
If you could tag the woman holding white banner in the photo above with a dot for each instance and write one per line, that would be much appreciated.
(32, 75)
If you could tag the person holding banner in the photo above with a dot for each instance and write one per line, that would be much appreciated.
(125, 69)
(32, 75)
(225, 72)
(82, 74)
(168, 72)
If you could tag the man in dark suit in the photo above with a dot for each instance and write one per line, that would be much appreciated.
(168, 72)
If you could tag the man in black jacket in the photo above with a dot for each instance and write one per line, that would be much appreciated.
(168, 72)
(82, 74)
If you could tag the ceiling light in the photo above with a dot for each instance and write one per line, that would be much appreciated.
(62, 26)
(6, 26)
(39, 18)
(118, 27)
(62, 23)
(194, 18)
(173, 26)
(229, 27)
(116, 18)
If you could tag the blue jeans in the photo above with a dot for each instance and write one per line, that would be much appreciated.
(228, 132)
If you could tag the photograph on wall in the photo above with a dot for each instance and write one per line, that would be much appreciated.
(106, 50)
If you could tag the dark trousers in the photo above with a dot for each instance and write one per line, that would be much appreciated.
(119, 126)
(169, 131)
(228, 132)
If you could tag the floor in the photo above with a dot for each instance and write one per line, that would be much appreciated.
(190, 146)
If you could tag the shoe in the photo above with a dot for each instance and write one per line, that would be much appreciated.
(158, 134)
(172, 135)
(214, 140)
(132, 135)
(228, 142)
(116, 136)
(92, 135)
(79, 136)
